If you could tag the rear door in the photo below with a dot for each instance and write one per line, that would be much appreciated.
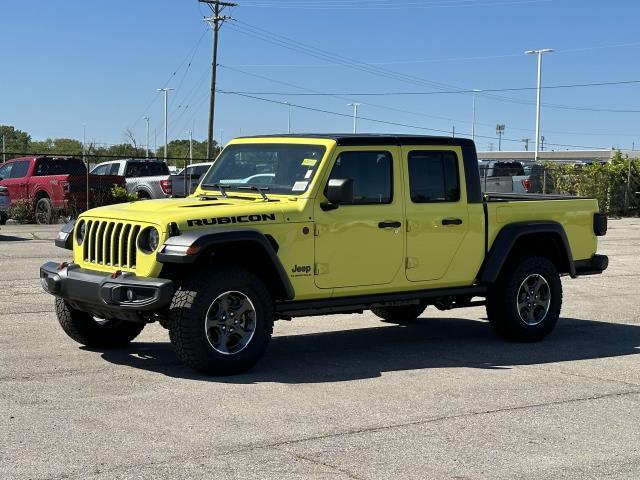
(436, 210)
(362, 243)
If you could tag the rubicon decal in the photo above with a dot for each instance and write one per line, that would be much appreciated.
(264, 217)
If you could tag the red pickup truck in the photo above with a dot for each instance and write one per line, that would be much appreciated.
(55, 185)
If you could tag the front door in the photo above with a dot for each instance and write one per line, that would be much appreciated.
(362, 243)
(436, 209)
(16, 181)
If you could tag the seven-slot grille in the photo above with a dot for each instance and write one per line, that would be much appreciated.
(111, 243)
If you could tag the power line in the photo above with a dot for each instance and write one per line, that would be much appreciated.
(386, 122)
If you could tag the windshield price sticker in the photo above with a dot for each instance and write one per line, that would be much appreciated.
(307, 175)
(309, 162)
(299, 186)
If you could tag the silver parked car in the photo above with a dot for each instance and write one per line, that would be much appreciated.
(146, 178)
(188, 176)
(5, 202)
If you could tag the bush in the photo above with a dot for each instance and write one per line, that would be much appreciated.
(605, 182)
(22, 211)
(120, 195)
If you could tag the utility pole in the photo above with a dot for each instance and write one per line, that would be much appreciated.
(355, 115)
(542, 143)
(526, 144)
(500, 130)
(453, 133)
(539, 54)
(491, 146)
(190, 147)
(166, 121)
(215, 21)
(473, 115)
(146, 117)
(155, 142)
(4, 159)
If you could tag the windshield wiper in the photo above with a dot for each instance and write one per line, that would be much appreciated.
(260, 190)
(217, 186)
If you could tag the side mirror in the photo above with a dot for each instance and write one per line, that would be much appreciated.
(339, 191)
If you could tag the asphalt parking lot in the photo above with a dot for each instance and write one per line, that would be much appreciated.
(337, 397)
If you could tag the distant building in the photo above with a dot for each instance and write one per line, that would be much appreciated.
(569, 156)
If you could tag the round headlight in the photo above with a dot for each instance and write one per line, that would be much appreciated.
(154, 239)
(148, 240)
(81, 230)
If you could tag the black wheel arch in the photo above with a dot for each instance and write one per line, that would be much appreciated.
(247, 248)
(548, 239)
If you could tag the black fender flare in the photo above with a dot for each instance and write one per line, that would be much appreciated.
(187, 248)
(507, 238)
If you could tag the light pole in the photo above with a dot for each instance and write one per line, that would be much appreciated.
(84, 151)
(190, 147)
(146, 117)
(355, 115)
(500, 130)
(166, 133)
(473, 115)
(288, 117)
(539, 54)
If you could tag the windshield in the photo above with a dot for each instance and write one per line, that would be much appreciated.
(285, 169)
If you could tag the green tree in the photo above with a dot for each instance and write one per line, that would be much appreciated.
(15, 141)
(56, 146)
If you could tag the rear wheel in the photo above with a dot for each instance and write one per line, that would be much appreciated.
(220, 323)
(524, 305)
(87, 330)
(43, 211)
(400, 315)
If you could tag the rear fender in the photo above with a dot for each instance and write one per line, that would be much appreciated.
(507, 239)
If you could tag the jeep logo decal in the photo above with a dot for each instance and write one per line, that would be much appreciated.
(301, 270)
(227, 220)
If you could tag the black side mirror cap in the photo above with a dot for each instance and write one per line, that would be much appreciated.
(340, 191)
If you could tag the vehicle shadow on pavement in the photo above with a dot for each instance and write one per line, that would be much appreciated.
(11, 238)
(429, 343)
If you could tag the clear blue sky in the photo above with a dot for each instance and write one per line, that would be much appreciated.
(69, 63)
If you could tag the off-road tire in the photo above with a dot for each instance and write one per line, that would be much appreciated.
(82, 328)
(43, 211)
(502, 300)
(400, 315)
(187, 320)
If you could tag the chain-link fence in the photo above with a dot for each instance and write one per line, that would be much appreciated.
(614, 184)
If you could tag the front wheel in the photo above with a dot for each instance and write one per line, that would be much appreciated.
(524, 304)
(91, 332)
(220, 323)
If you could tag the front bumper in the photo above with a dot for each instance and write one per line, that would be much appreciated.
(124, 297)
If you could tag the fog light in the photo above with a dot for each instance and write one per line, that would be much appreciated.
(131, 296)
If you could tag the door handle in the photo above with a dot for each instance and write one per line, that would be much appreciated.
(389, 224)
(451, 221)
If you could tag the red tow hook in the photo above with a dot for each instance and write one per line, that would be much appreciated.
(116, 274)
(62, 265)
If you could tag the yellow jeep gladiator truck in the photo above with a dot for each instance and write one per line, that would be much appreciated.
(289, 226)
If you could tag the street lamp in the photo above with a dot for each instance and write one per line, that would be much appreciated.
(355, 115)
(500, 130)
(146, 118)
(166, 134)
(539, 54)
(473, 115)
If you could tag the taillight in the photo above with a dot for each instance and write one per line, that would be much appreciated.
(526, 183)
(165, 185)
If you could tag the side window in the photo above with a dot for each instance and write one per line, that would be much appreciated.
(20, 169)
(114, 169)
(101, 170)
(433, 176)
(372, 174)
(5, 170)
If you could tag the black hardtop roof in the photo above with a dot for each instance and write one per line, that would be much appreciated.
(364, 139)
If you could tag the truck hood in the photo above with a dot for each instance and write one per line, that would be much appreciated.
(191, 213)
